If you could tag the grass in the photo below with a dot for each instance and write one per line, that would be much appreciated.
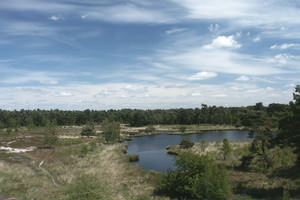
(108, 166)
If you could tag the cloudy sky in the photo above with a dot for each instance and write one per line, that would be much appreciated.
(103, 54)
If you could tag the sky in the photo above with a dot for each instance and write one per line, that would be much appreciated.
(145, 54)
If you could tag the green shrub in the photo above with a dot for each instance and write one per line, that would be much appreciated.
(88, 131)
(86, 187)
(227, 149)
(186, 143)
(196, 177)
(133, 158)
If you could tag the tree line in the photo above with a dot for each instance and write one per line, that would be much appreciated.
(237, 116)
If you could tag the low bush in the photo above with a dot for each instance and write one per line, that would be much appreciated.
(186, 143)
(133, 158)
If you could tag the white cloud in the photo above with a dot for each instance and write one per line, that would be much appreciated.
(175, 30)
(203, 76)
(213, 27)
(55, 18)
(283, 46)
(281, 59)
(243, 78)
(119, 96)
(256, 39)
(224, 41)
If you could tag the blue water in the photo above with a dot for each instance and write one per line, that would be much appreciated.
(152, 149)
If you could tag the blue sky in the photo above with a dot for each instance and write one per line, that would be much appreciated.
(78, 54)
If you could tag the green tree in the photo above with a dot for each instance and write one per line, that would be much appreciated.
(111, 131)
(226, 149)
(290, 126)
(196, 177)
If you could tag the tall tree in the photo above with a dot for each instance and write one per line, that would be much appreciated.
(290, 126)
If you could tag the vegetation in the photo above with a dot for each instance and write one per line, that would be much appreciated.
(133, 158)
(196, 177)
(85, 187)
(111, 131)
(203, 145)
(88, 131)
(235, 116)
(50, 137)
(226, 149)
(186, 143)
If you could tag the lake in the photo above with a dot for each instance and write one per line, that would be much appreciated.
(152, 149)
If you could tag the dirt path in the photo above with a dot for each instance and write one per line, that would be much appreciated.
(48, 173)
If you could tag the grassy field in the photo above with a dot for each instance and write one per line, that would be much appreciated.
(56, 173)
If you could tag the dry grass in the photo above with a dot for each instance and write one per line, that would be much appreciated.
(107, 163)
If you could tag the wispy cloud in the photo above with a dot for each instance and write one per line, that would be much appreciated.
(202, 76)
(284, 46)
(175, 30)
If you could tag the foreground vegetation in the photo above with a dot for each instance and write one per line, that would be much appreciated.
(81, 168)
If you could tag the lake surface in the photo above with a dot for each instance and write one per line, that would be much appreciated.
(152, 149)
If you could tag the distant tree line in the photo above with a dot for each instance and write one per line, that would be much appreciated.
(250, 116)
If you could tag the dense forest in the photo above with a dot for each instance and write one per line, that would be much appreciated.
(238, 116)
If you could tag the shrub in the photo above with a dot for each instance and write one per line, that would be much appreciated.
(111, 131)
(226, 149)
(50, 137)
(182, 129)
(196, 177)
(88, 131)
(186, 143)
(150, 129)
(133, 158)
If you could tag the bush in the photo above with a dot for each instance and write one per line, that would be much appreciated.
(186, 143)
(88, 131)
(50, 137)
(111, 131)
(226, 149)
(133, 158)
(85, 187)
(150, 129)
(196, 177)
(182, 129)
